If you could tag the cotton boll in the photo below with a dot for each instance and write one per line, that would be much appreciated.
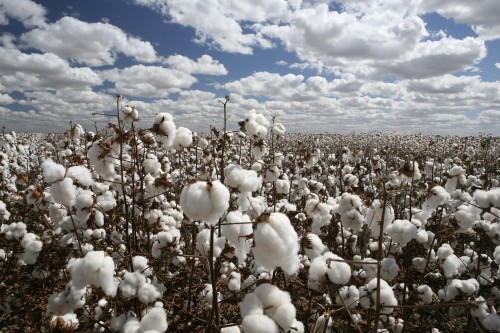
(165, 130)
(259, 324)
(373, 217)
(314, 247)
(236, 231)
(283, 315)
(147, 293)
(491, 322)
(183, 138)
(282, 186)
(402, 231)
(444, 251)
(94, 269)
(64, 192)
(52, 172)
(349, 296)
(452, 266)
(66, 323)
(425, 294)
(132, 325)
(386, 294)
(203, 243)
(241, 179)
(437, 196)
(251, 305)
(328, 268)
(276, 243)
(390, 268)
(80, 174)
(32, 247)
(205, 201)
(481, 198)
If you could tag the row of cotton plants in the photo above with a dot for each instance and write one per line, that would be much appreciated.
(153, 228)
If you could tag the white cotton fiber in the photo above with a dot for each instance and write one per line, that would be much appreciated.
(276, 243)
(64, 192)
(52, 172)
(154, 319)
(94, 269)
(81, 174)
(241, 179)
(205, 201)
(259, 324)
(183, 138)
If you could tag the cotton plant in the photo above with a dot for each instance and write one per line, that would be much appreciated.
(269, 310)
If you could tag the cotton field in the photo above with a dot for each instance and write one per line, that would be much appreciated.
(142, 227)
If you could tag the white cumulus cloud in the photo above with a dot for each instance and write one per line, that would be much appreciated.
(29, 13)
(93, 44)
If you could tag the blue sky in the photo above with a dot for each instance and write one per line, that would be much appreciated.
(429, 66)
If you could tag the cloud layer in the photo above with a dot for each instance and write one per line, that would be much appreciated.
(346, 65)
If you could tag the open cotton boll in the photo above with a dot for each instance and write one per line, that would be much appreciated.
(373, 217)
(279, 129)
(13, 230)
(386, 294)
(276, 243)
(402, 231)
(203, 243)
(491, 322)
(205, 201)
(183, 138)
(236, 231)
(32, 247)
(165, 130)
(437, 196)
(155, 319)
(259, 324)
(251, 305)
(4, 213)
(452, 266)
(206, 296)
(66, 323)
(64, 192)
(94, 269)
(313, 246)
(241, 179)
(52, 172)
(81, 174)
(151, 165)
(259, 149)
(282, 186)
(390, 268)
(349, 296)
(329, 268)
